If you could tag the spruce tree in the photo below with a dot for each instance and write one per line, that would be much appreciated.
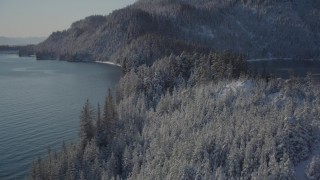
(105, 126)
(86, 132)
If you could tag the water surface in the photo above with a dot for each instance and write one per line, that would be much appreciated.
(40, 104)
(286, 68)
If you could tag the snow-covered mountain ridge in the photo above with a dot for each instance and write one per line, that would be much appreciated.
(151, 29)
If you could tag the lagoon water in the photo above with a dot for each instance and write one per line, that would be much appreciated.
(40, 104)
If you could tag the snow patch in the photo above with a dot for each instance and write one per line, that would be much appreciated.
(108, 62)
(235, 86)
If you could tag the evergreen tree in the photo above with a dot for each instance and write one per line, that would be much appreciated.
(106, 124)
(86, 132)
(99, 127)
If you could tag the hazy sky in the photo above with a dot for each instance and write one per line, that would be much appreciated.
(25, 18)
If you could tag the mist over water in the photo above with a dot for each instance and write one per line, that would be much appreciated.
(40, 104)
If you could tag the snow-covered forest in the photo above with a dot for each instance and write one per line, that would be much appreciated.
(187, 106)
(194, 116)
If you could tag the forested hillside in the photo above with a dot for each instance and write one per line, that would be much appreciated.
(187, 106)
(258, 29)
(194, 116)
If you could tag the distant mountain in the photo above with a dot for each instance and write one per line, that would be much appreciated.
(151, 29)
(16, 41)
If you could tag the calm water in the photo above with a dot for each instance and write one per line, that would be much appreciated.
(40, 103)
(283, 68)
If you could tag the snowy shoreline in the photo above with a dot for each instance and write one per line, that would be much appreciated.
(108, 62)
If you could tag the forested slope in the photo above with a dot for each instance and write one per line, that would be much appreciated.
(187, 106)
(258, 29)
(194, 116)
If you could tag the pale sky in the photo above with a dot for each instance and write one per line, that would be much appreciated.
(26, 18)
